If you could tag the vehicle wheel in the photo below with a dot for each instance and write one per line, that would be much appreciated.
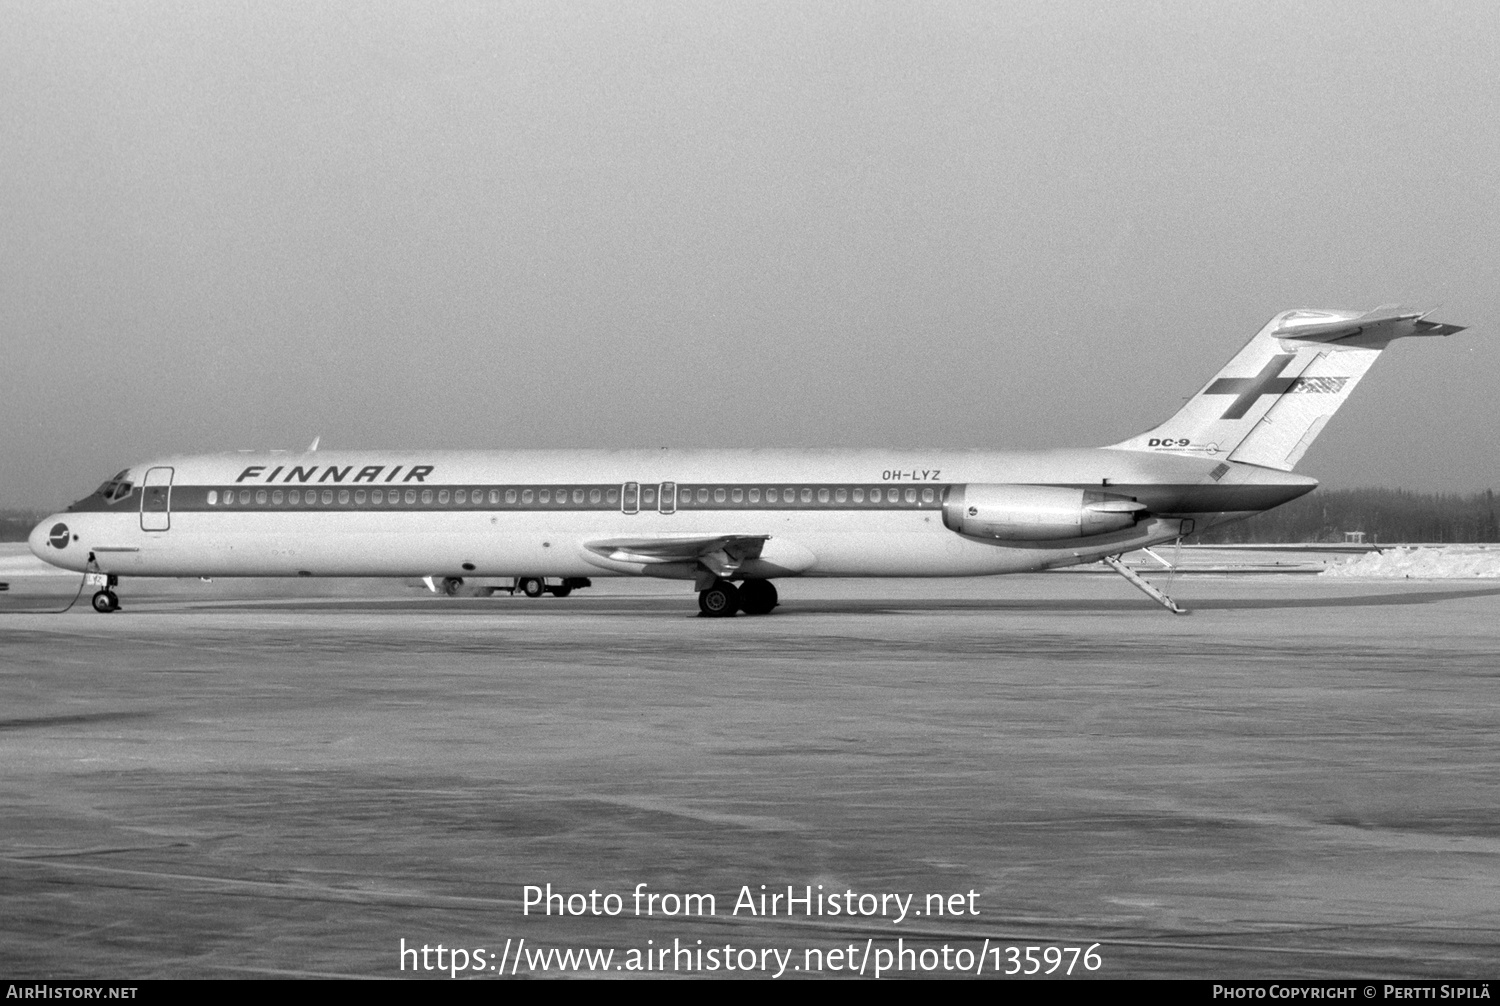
(533, 586)
(757, 597)
(451, 585)
(561, 591)
(105, 601)
(721, 600)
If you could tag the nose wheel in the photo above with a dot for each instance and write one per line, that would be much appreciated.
(106, 601)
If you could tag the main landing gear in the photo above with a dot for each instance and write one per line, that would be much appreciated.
(723, 599)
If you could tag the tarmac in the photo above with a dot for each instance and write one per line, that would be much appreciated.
(290, 778)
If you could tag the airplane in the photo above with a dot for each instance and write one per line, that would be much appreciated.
(734, 521)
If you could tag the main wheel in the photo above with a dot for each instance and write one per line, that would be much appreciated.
(721, 600)
(105, 601)
(533, 586)
(757, 597)
(451, 585)
(561, 591)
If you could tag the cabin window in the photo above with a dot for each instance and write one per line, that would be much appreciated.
(648, 496)
(911, 495)
(874, 495)
(754, 495)
(442, 496)
(840, 495)
(260, 496)
(789, 494)
(720, 496)
(859, 495)
(376, 496)
(411, 495)
(276, 497)
(426, 495)
(343, 496)
(926, 495)
(545, 496)
(244, 496)
(228, 497)
(510, 496)
(702, 495)
(294, 497)
(359, 495)
(822, 495)
(770, 495)
(807, 495)
(737, 495)
(527, 495)
(562, 496)
(578, 495)
(612, 496)
(461, 496)
(595, 495)
(213, 497)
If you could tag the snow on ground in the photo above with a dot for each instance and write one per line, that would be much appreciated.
(1435, 562)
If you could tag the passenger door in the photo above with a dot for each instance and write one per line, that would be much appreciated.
(156, 500)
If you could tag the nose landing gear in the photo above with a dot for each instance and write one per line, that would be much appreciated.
(105, 600)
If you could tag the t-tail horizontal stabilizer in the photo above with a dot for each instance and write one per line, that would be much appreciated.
(1268, 405)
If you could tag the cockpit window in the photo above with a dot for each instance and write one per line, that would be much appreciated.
(116, 488)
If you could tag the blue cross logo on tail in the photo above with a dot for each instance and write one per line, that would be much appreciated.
(1249, 389)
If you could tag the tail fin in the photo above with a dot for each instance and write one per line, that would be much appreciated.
(1272, 400)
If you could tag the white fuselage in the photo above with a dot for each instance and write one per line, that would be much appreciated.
(519, 513)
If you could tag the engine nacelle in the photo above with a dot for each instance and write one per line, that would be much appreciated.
(1037, 513)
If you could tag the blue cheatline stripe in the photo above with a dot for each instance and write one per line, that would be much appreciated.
(540, 497)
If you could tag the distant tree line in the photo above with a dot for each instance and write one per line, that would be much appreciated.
(1384, 515)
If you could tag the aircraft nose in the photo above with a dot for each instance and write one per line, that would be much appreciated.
(53, 541)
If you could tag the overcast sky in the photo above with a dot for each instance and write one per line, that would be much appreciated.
(243, 225)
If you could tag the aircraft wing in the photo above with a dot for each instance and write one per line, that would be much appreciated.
(723, 554)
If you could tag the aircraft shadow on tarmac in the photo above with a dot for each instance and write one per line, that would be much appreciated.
(885, 606)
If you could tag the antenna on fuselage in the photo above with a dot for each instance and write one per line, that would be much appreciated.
(314, 445)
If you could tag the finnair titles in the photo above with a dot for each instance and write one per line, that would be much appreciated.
(732, 522)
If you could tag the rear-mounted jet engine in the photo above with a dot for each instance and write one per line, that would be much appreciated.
(1037, 513)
